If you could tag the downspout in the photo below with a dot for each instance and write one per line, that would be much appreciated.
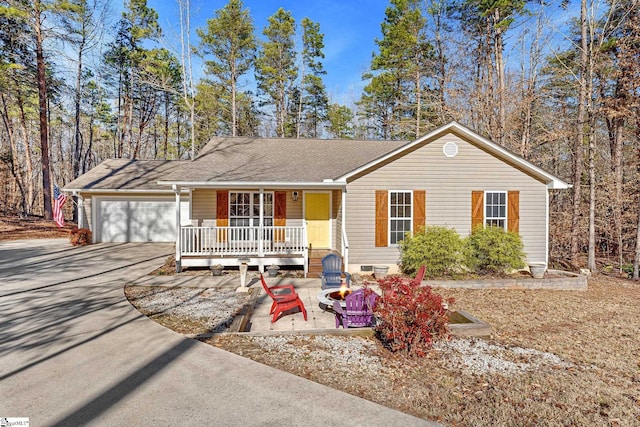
(177, 190)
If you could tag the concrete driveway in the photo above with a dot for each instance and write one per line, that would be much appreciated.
(73, 351)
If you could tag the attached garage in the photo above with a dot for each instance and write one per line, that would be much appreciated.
(120, 200)
(137, 219)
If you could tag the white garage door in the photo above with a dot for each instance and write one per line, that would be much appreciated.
(129, 219)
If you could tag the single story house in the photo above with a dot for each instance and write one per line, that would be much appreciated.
(288, 201)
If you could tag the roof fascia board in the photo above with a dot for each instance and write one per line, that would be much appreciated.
(333, 184)
(118, 190)
(551, 181)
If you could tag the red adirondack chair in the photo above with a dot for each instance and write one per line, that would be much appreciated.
(420, 274)
(358, 310)
(283, 301)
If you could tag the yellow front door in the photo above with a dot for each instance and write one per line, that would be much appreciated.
(317, 216)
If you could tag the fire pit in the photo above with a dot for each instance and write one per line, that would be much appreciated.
(326, 297)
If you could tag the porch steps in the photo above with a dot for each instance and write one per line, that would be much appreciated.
(315, 261)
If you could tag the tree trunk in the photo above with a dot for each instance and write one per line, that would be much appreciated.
(27, 151)
(234, 107)
(636, 258)
(129, 118)
(14, 153)
(165, 142)
(581, 122)
(591, 256)
(300, 96)
(614, 129)
(418, 101)
(88, 152)
(77, 151)
(498, 52)
(42, 102)
(440, 66)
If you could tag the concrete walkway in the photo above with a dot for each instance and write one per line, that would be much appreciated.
(73, 351)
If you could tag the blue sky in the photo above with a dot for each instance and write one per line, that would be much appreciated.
(350, 28)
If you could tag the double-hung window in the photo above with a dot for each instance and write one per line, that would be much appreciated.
(400, 215)
(496, 209)
(244, 211)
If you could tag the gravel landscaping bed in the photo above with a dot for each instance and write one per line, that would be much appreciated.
(188, 310)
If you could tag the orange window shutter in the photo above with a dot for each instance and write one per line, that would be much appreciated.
(477, 209)
(513, 211)
(419, 210)
(222, 214)
(382, 218)
(279, 214)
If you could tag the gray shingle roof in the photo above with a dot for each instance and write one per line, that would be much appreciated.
(235, 161)
(279, 160)
(126, 174)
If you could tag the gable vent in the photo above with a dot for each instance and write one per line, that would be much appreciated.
(450, 149)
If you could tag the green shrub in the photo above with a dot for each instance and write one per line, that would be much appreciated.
(494, 250)
(440, 249)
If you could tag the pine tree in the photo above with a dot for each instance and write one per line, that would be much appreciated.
(313, 102)
(229, 38)
(395, 94)
(138, 24)
(340, 119)
(275, 66)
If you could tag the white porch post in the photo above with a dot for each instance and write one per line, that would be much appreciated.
(345, 243)
(177, 190)
(261, 228)
(80, 209)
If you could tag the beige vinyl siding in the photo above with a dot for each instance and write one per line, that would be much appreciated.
(294, 209)
(203, 204)
(448, 183)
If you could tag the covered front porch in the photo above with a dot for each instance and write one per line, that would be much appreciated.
(205, 246)
(259, 226)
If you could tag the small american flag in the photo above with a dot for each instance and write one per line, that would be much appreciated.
(59, 199)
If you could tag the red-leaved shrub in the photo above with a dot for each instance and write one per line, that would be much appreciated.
(80, 236)
(410, 317)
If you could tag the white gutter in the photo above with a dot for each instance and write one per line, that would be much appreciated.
(120, 190)
(328, 184)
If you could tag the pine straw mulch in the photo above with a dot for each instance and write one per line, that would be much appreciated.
(556, 358)
(15, 227)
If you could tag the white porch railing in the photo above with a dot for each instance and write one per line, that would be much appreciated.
(242, 241)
